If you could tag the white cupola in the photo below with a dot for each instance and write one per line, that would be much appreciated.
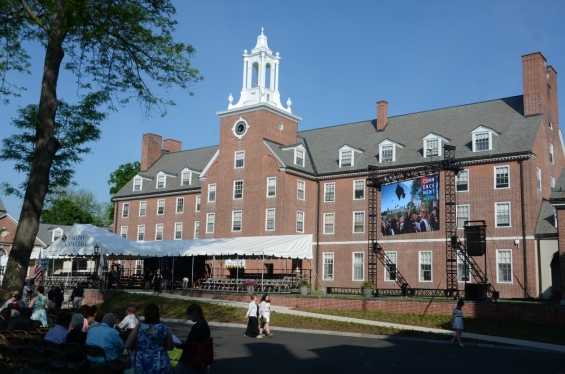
(260, 78)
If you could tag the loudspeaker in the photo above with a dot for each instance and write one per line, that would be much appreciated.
(474, 291)
(475, 240)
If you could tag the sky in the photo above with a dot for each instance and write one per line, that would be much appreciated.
(338, 59)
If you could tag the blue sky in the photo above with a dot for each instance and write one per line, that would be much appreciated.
(338, 59)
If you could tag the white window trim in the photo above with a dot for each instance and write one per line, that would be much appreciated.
(329, 233)
(123, 210)
(197, 203)
(325, 192)
(185, 170)
(137, 237)
(433, 136)
(210, 190)
(509, 214)
(232, 220)
(140, 203)
(54, 236)
(196, 225)
(267, 219)
(552, 160)
(364, 219)
(268, 179)
(159, 175)
(303, 220)
(324, 267)
(456, 214)
(468, 182)
(420, 267)
(135, 180)
(208, 215)
(162, 231)
(385, 143)
(550, 125)
(538, 178)
(303, 157)
(457, 262)
(385, 271)
(481, 130)
(122, 231)
(233, 196)
(552, 182)
(177, 205)
(494, 169)
(353, 267)
(304, 190)
(175, 231)
(347, 148)
(235, 159)
(511, 266)
(158, 202)
(364, 190)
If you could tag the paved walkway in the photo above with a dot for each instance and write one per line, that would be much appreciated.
(525, 344)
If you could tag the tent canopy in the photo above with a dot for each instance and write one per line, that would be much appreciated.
(284, 246)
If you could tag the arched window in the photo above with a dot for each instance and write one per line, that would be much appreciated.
(268, 76)
(255, 75)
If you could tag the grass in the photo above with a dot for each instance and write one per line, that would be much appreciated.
(175, 308)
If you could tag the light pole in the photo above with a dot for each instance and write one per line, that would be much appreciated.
(173, 271)
(96, 253)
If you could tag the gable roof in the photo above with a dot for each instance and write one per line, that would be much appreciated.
(546, 221)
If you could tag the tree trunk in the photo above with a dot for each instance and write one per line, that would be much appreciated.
(46, 145)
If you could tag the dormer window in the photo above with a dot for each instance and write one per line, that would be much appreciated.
(137, 184)
(347, 156)
(299, 157)
(387, 150)
(483, 138)
(432, 145)
(161, 181)
(57, 233)
(185, 179)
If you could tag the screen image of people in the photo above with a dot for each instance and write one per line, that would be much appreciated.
(410, 207)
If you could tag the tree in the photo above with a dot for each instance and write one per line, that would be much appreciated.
(88, 208)
(118, 178)
(116, 46)
(65, 212)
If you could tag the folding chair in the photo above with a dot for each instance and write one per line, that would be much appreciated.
(21, 334)
(95, 352)
(31, 356)
(11, 355)
(76, 359)
(14, 341)
(2, 340)
(56, 360)
(6, 333)
(6, 368)
(31, 342)
(36, 335)
(47, 344)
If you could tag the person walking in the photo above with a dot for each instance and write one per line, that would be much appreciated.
(265, 309)
(457, 322)
(38, 305)
(157, 279)
(77, 296)
(200, 331)
(252, 316)
(147, 278)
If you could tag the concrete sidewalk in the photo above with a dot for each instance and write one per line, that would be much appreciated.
(494, 339)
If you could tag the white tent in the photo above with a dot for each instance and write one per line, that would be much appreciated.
(282, 246)
(79, 240)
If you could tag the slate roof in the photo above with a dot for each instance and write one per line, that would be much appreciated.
(172, 163)
(558, 192)
(546, 221)
(45, 232)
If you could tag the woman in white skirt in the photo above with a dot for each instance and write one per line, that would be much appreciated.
(457, 322)
(265, 310)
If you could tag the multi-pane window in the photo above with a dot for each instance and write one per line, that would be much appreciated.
(159, 231)
(538, 178)
(178, 231)
(482, 141)
(390, 271)
(180, 204)
(504, 265)
(386, 153)
(124, 231)
(463, 269)
(197, 230)
(425, 266)
(161, 206)
(137, 184)
(125, 210)
(462, 181)
(358, 221)
(551, 153)
(56, 234)
(346, 158)
(138, 267)
(432, 147)
(502, 214)
(212, 193)
(142, 208)
(328, 266)
(270, 219)
(271, 187)
(238, 189)
(329, 223)
(141, 232)
(185, 178)
(329, 192)
(552, 182)
(502, 179)
(236, 220)
(210, 218)
(198, 203)
(299, 221)
(359, 190)
(160, 181)
(462, 212)
(358, 266)
(299, 157)
(82, 265)
(301, 187)
(239, 159)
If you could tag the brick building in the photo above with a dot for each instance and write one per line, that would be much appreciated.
(267, 178)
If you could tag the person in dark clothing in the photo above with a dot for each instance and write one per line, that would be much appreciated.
(22, 322)
(4, 317)
(167, 274)
(77, 295)
(199, 331)
(59, 295)
(51, 296)
(76, 335)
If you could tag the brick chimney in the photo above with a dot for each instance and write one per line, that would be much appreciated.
(382, 115)
(537, 86)
(150, 150)
(172, 146)
(553, 106)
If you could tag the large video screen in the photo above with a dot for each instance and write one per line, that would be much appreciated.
(410, 207)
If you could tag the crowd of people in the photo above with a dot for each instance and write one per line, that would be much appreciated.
(407, 223)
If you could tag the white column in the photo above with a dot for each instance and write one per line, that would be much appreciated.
(262, 71)
(244, 74)
(272, 78)
(277, 77)
(249, 74)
